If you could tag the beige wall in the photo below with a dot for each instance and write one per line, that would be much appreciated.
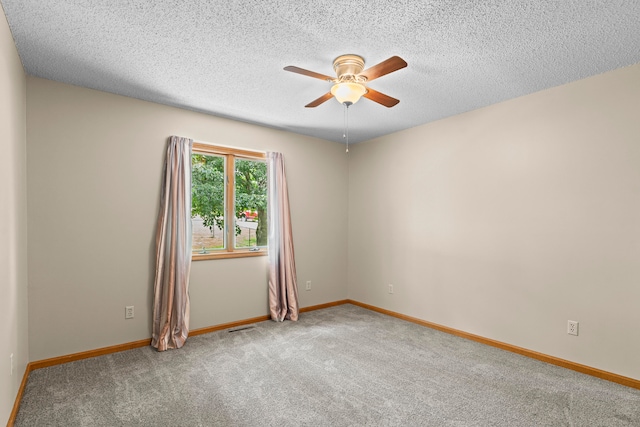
(510, 220)
(13, 224)
(95, 163)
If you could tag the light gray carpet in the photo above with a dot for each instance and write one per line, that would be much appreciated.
(342, 366)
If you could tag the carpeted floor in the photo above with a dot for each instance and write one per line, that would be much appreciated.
(341, 366)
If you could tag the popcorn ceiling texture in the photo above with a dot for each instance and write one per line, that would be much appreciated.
(226, 58)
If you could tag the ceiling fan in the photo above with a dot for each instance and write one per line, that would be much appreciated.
(349, 85)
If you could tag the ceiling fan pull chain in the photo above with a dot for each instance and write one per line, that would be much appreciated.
(346, 124)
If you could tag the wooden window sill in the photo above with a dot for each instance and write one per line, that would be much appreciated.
(225, 254)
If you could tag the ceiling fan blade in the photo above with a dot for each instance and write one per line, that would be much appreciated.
(385, 67)
(320, 100)
(304, 72)
(380, 98)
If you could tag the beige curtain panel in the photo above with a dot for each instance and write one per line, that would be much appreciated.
(283, 288)
(173, 249)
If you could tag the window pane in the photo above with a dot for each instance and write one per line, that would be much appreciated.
(207, 202)
(251, 203)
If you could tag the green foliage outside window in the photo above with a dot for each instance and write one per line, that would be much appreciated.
(207, 190)
(208, 195)
(251, 194)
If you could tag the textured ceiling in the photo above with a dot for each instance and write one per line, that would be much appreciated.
(226, 57)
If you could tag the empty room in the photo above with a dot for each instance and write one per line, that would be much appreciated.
(322, 213)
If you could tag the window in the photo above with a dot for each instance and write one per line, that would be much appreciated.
(228, 202)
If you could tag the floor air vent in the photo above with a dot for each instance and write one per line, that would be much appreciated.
(242, 328)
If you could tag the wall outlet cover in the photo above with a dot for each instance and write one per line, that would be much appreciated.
(572, 327)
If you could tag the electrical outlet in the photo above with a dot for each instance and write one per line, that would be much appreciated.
(308, 285)
(572, 327)
(11, 361)
(128, 312)
(390, 288)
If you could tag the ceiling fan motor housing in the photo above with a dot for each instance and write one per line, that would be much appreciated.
(348, 65)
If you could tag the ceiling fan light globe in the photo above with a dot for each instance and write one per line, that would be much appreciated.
(348, 92)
